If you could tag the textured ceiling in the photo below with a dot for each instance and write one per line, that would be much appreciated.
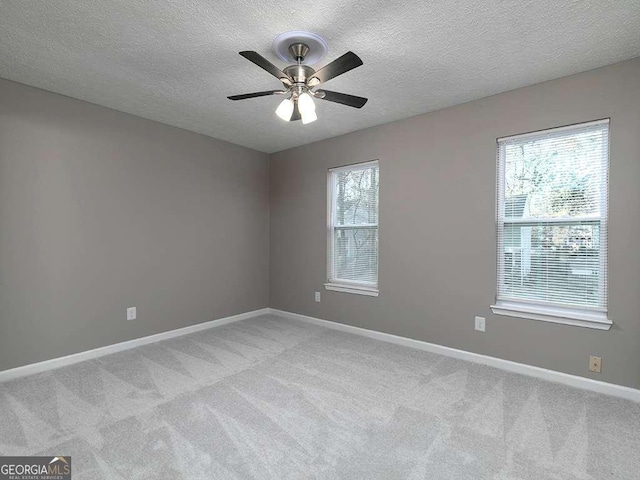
(175, 61)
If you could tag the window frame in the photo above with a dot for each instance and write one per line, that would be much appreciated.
(589, 317)
(336, 284)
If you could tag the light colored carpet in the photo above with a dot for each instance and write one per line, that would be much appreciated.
(270, 398)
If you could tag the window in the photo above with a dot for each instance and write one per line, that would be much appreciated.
(353, 229)
(552, 195)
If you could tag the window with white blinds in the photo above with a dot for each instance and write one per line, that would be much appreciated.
(353, 229)
(552, 196)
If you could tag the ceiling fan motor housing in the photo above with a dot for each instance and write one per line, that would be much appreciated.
(299, 73)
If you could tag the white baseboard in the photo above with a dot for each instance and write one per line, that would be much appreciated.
(118, 347)
(524, 369)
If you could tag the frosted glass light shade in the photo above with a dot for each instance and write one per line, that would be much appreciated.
(305, 104)
(308, 117)
(285, 109)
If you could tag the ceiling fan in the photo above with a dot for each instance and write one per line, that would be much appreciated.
(300, 80)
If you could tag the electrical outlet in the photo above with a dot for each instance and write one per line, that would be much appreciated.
(595, 364)
(480, 324)
(317, 296)
(132, 313)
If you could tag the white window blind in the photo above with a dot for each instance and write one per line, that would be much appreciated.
(552, 197)
(353, 227)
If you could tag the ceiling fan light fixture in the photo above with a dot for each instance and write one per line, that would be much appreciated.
(285, 109)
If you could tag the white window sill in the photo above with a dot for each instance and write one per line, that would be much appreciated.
(565, 316)
(352, 288)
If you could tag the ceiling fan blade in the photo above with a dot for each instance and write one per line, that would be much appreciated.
(340, 65)
(343, 98)
(265, 64)
(296, 113)
(255, 94)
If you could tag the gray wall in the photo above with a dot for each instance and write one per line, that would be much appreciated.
(437, 234)
(100, 210)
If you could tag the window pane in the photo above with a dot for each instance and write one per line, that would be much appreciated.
(356, 197)
(552, 217)
(356, 254)
(555, 175)
(554, 263)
